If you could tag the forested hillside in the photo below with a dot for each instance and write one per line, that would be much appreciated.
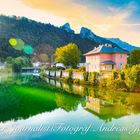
(44, 38)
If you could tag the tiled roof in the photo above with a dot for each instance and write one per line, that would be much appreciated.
(107, 49)
(108, 62)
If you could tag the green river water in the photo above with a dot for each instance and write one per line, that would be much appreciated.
(50, 110)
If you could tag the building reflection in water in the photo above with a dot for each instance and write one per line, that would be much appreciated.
(104, 104)
(107, 110)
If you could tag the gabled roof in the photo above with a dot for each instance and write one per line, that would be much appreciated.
(106, 49)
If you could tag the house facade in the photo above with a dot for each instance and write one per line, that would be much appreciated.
(105, 57)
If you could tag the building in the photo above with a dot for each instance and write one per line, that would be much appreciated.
(37, 64)
(105, 57)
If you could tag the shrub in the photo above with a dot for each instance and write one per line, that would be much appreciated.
(43, 68)
(52, 68)
(103, 82)
(86, 76)
(93, 78)
(132, 77)
(43, 75)
(82, 69)
(115, 74)
(76, 81)
(118, 84)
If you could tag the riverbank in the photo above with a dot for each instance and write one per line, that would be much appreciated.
(127, 79)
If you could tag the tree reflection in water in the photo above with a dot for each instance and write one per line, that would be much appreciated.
(25, 96)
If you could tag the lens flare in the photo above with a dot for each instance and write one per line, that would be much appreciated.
(28, 49)
(19, 45)
(13, 41)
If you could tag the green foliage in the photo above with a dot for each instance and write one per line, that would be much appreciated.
(38, 35)
(128, 79)
(76, 81)
(132, 77)
(134, 57)
(103, 82)
(17, 63)
(93, 78)
(44, 68)
(115, 74)
(43, 75)
(86, 76)
(117, 83)
(69, 55)
(6, 71)
(82, 69)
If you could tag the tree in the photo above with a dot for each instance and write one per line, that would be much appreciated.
(132, 77)
(43, 57)
(134, 57)
(69, 55)
(44, 51)
(17, 63)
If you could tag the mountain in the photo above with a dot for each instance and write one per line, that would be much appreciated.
(38, 35)
(44, 38)
(123, 44)
(67, 28)
(87, 33)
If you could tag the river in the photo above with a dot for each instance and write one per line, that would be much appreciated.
(51, 110)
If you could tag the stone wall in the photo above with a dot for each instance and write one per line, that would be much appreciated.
(75, 75)
(64, 74)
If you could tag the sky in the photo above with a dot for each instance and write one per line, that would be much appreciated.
(107, 18)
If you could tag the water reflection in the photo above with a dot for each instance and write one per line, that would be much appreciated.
(106, 110)
(107, 105)
(25, 96)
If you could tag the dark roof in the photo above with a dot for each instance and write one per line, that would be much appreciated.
(108, 62)
(107, 49)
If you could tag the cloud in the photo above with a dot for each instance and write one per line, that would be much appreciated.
(16, 7)
(82, 14)
(105, 20)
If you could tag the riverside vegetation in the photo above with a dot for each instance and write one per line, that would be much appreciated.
(126, 79)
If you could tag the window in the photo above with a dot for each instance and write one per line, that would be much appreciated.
(121, 55)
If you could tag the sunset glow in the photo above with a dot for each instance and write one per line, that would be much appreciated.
(104, 17)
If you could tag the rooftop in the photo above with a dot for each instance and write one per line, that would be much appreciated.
(107, 48)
